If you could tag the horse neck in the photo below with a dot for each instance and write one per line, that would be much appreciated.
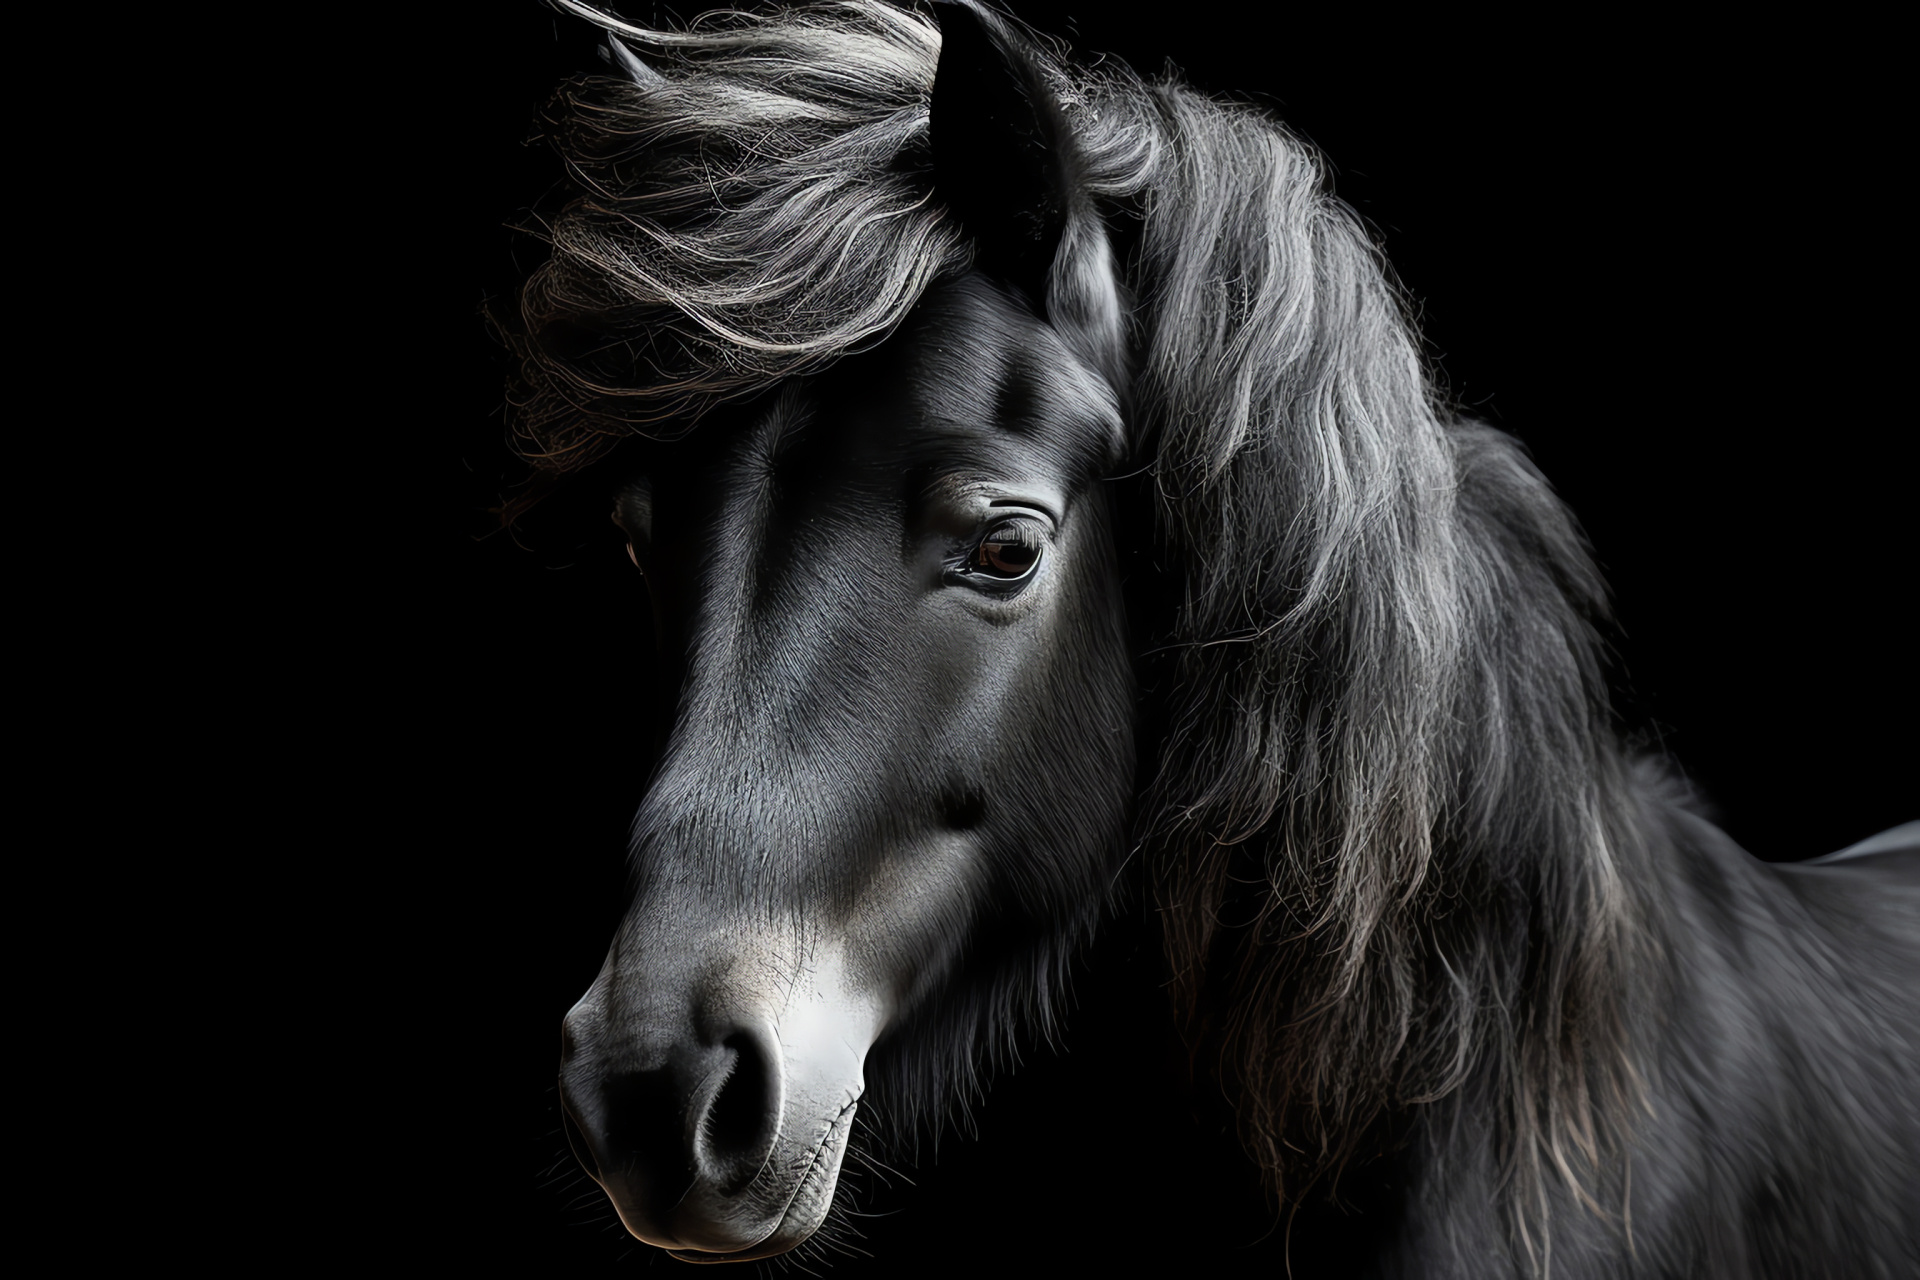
(1399, 845)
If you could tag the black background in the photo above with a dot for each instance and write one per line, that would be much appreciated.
(1667, 255)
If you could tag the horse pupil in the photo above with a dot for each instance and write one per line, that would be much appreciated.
(1006, 557)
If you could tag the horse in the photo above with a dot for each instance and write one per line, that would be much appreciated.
(1039, 491)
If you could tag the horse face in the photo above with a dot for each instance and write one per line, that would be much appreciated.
(904, 732)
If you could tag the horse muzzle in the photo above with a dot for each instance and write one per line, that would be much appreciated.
(718, 1133)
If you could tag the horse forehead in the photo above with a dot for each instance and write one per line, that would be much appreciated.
(978, 364)
(972, 380)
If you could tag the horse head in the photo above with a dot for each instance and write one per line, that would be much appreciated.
(838, 303)
(890, 594)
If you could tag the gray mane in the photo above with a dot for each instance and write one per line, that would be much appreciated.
(1390, 817)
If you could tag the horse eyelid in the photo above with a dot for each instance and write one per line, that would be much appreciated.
(1029, 504)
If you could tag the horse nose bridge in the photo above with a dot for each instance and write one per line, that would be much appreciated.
(726, 827)
(808, 657)
(805, 735)
(763, 874)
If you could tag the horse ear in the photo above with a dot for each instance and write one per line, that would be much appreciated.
(1006, 163)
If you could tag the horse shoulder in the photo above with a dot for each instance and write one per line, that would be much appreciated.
(1782, 1122)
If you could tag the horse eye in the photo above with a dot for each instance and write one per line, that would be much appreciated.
(1008, 552)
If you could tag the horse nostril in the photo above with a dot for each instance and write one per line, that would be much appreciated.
(703, 1120)
(743, 1119)
(641, 1134)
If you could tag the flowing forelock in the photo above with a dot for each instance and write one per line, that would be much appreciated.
(755, 204)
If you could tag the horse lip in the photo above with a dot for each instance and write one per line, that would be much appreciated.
(759, 1248)
(750, 1254)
